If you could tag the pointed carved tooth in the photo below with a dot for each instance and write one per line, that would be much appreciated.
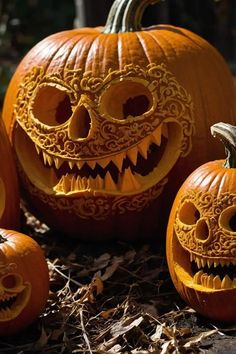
(156, 136)
(58, 162)
(49, 160)
(133, 155)
(210, 281)
(104, 162)
(234, 283)
(84, 183)
(164, 130)
(215, 264)
(44, 158)
(128, 182)
(204, 280)
(203, 261)
(109, 183)
(80, 164)
(91, 163)
(216, 282)
(71, 164)
(66, 184)
(222, 262)
(191, 257)
(209, 263)
(72, 183)
(99, 183)
(37, 149)
(89, 183)
(197, 277)
(118, 160)
(77, 184)
(226, 282)
(199, 263)
(143, 147)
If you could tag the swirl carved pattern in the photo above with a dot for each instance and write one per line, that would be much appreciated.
(108, 135)
(221, 241)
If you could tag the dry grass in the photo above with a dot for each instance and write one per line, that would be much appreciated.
(111, 298)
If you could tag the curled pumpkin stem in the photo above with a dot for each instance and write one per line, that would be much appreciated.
(227, 134)
(126, 15)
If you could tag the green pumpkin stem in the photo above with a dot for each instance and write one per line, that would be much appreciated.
(227, 134)
(126, 15)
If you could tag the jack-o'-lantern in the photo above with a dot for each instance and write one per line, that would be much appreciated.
(9, 189)
(98, 117)
(24, 281)
(201, 234)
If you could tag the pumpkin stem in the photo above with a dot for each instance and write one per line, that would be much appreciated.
(126, 15)
(227, 134)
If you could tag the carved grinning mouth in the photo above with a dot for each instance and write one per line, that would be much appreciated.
(12, 304)
(213, 273)
(210, 273)
(127, 172)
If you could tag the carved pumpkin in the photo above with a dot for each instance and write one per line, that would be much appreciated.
(24, 281)
(9, 189)
(201, 234)
(98, 117)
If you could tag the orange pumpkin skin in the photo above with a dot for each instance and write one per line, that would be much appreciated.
(186, 87)
(9, 189)
(24, 281)
(200, 242)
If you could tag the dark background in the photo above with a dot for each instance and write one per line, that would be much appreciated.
(25, 22)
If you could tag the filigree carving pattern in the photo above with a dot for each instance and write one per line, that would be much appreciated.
(222, 241)
(107, 136)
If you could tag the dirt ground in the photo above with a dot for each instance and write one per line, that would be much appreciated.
(113, 298)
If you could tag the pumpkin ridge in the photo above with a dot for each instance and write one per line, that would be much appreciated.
(157, 42)
(143, 46)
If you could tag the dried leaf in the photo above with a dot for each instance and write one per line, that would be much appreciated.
(199, 337)
(110, 270)
(125, 326)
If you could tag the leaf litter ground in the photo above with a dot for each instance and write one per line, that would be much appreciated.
(113, 298)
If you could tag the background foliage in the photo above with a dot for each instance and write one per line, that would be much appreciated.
(23, 23)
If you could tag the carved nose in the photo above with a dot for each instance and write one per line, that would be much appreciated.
(202, 232)
(80, 123)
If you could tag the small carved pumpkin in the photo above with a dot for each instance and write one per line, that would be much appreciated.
(98, 117)
(9, 189)
(201, 234)
(24, 281)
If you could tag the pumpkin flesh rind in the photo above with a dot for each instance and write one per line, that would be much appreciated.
(100, 54)
(24, 281)
(202, 266)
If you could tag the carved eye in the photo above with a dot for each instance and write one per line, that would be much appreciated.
(51, 105)
(126, 98)
(227, 219)
(189, 214)
(11, 281)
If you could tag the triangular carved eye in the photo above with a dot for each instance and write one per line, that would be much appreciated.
(51, 105)
(126, 99)
(227, 219)
(188, 213)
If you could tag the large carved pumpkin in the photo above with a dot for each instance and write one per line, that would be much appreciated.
(98, 117)
(201, 234)
(9, 189)
(24, 281)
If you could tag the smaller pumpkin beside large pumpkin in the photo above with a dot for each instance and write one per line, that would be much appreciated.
(201, 234)
(24, 281)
